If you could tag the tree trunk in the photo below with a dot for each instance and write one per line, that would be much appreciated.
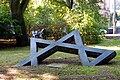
(17, 10)
(70, 3)
(22, 39)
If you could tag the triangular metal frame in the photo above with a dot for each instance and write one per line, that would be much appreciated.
(64, 44)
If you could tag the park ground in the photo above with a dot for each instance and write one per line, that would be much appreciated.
(69, 67)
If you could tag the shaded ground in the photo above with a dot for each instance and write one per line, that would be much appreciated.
(15, 74)
(43, 72)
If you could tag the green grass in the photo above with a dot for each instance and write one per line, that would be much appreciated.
(74, 70)
(12, 56)
(110, 42)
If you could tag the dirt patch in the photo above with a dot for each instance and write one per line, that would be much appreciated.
(70, 60)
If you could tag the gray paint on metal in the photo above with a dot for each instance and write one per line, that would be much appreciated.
(101, 56)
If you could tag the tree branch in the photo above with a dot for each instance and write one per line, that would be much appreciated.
(24, 4)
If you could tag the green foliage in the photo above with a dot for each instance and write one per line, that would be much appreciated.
(6, 29)
(87, 20)
(29, 15)
(51, 15)
(57, 15)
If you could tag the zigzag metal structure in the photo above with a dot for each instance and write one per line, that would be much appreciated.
(64, 44)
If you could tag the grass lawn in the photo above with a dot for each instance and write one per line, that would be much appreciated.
(72, 69)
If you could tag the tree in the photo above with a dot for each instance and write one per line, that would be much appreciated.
(61, 13)
(68, 3)
(17, 9)
(84, 17)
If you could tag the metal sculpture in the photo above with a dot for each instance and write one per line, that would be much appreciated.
(64, 44)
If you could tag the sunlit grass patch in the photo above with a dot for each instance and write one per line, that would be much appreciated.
(11, 56)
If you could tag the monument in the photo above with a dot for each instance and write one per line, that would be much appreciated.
(65, 44)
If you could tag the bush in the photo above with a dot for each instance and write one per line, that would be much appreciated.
(6, 28)
(85, 18)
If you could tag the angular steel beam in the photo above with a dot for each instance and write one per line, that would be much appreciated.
(64, 44)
